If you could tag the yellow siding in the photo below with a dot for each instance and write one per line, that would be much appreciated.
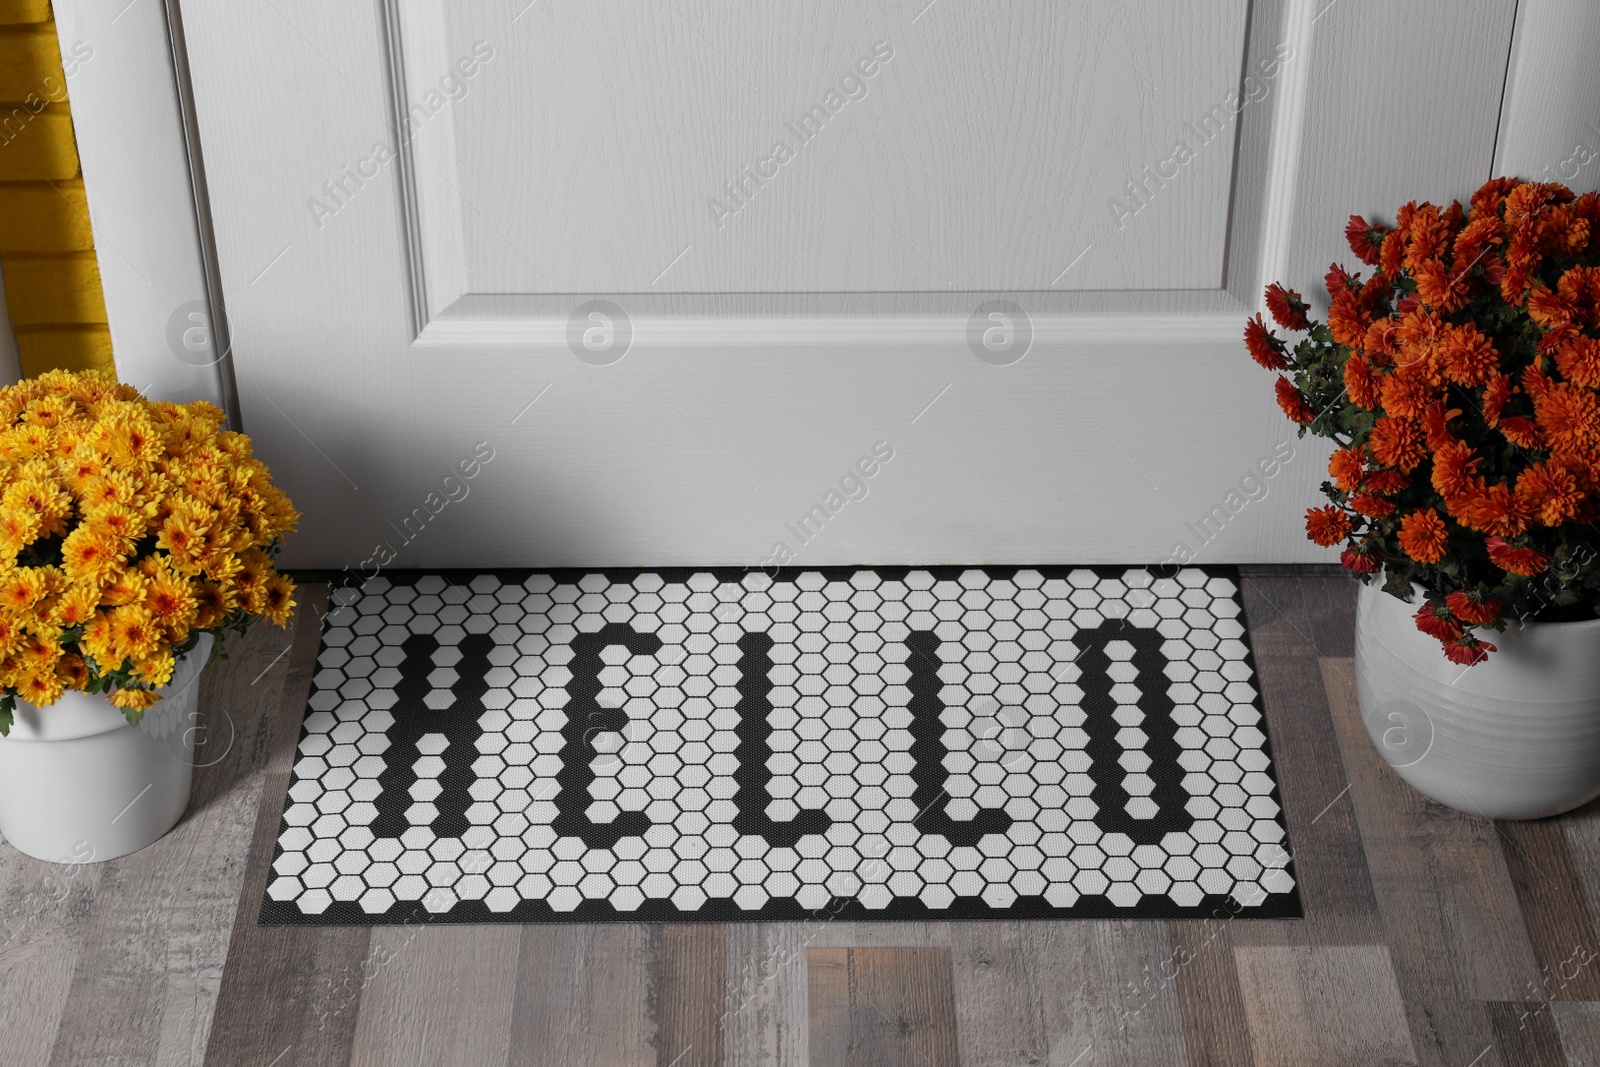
(36, 147)
(45, 348)
(49, 290)
(23, 11)
(30, 65)
(46, 243)
(45, 218)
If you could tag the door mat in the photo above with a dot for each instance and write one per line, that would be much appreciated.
(860, 743)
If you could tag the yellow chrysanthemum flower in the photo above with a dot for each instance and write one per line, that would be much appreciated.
(135, 630)
(156, 668)
(170, 599)
(116, 520)
(75, 606)
(111, 487)
(18, 529)
(278, 600)
(44, 497)
(73, 671)
(183, 534)
(133, 699)
(215, 603)
(11, 635)
(125, 587)
(21, 589)
(41, 688)
(90, 555)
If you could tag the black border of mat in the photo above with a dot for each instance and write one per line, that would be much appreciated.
(787, 909)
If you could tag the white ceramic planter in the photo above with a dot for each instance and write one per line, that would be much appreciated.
(1514, 737)
(78, 784)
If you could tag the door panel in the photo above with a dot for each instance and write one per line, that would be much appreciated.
(412, 199)
(966, 159)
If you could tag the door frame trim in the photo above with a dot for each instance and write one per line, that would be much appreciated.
(138, 150)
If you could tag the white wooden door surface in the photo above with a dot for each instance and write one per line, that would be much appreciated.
(810, 228)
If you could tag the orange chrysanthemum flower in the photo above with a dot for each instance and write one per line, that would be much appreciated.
(1387, 482)
(1427, 237)
(1264, 347)
(1361, 385)
(1569, 418)
(1441, 288)
(1495, 395)
(1424, 536)
(1578, 360)
(1455, 469)
(1406, 395)
(1467, 356)
(1521, 432)
(1293, 403)
(1327, 525)
(1468, 650)
(1287, 308)
(1371, 505)
(1524, 561)
(1472, 610)
(1348, 467)
(1336, 280)
(1492, 195)
(1365, 238)
(1548, 309)
(1360, 561)
(1398, 443)
(1347, 320)
(1551, 494)
(1437, 622)
(1496, 510)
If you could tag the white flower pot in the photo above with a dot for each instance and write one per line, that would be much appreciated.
(1514, 737)
(78, 784)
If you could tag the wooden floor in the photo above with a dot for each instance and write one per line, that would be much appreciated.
(1430, 937)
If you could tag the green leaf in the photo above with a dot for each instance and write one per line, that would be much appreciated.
(1397, 585)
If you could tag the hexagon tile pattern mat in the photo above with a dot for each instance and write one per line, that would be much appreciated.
(865, 743)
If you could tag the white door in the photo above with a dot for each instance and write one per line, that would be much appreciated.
(839, 281)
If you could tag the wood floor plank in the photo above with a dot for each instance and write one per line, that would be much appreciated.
(287, 991)
(1337, 1005)
(1290, 620)
(1581, 829)
(691, 994)
(1000, 1019)
(1451, 915)
(1086, 992)
(1554, 909)
(882, 1007)
(767, 981)
(765, 1022)
(240, 708)
(42, 906)
(1579, 1027)
(1525, 1034)
(584, 996)
(289, 995)
(440, 995)
(1215, 1026)
(154, 971)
